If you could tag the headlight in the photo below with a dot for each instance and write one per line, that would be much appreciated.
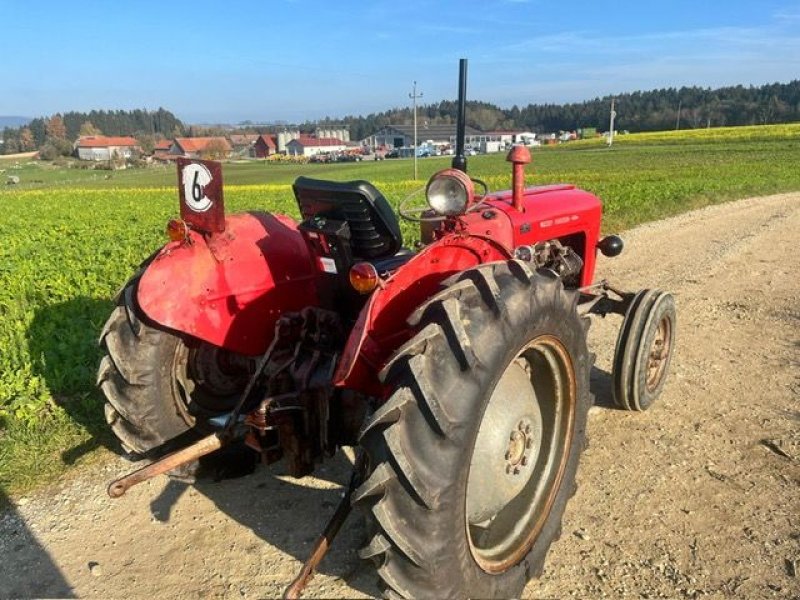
(449, 192)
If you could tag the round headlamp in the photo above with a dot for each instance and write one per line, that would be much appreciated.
(449, 192)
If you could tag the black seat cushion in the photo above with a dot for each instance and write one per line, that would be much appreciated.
(374, 230)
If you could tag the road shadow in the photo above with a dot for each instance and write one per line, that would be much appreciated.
(28, 571)
(287, 515)
(601, 385)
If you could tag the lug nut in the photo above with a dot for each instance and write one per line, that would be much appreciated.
(516, 470)
(508, 454)
(527, 428)
(524, 460)
(529, 443)
(508, 469)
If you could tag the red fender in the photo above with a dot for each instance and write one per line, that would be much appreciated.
(381, 326)
(229, 289)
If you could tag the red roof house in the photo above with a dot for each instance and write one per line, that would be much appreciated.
(307, 145)
(194, 147)
(266, 145)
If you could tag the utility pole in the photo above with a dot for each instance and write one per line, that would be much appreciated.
(678, 120)
(611, 124)
(413, 95)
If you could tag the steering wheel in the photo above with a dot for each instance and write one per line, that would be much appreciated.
(422, 214)
(417, 214)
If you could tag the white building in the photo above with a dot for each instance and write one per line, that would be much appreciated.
(101, 147)
(310, 146)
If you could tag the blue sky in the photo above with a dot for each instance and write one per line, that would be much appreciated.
(296, 59)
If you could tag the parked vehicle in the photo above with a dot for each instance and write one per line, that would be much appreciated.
(460, 373)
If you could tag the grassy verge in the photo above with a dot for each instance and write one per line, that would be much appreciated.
(67, 247)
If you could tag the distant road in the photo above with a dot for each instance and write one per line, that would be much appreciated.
(18, 156)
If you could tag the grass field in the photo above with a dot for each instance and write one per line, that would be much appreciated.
(70, 238)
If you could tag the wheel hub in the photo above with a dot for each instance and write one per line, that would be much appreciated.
(520, 442)
(659, 352)
(209, 378)
(508, 442)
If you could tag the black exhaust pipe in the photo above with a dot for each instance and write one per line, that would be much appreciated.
(460, 159)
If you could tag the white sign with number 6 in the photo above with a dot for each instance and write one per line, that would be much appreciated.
(195, 178)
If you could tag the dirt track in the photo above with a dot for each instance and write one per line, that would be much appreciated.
(700, 496)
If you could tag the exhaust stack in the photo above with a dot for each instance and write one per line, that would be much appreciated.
(460, 160)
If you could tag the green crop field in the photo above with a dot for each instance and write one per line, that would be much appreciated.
(70, 237)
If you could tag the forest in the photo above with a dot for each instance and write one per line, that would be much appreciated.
(58, 128)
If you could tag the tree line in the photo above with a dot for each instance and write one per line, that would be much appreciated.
(60, 130)
(655, 110)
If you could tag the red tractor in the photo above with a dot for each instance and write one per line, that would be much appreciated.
(460, 372)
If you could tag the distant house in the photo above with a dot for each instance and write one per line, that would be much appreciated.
(527, 138)
(242, 143)
(101, 147)
(264, 146)
(311, 146)
(196, 147)
(162, 147)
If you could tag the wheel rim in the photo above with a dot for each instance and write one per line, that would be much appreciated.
(659, 353)
(208, 378)
(520, 454)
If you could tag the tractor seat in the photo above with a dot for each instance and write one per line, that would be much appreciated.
(374, 230)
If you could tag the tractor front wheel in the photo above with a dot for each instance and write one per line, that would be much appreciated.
(644, 349)
(473, 457)
(159, 386)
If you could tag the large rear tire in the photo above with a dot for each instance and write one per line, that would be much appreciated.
(473, 457)
(159, 386)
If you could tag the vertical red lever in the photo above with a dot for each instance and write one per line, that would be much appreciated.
(519, 156)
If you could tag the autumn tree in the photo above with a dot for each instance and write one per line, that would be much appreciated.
(89, 129)
(26, 142)
(215, 149)
(55, 128)
(147, 143)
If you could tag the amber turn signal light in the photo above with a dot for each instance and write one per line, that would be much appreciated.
(364, 277)
(177, 230)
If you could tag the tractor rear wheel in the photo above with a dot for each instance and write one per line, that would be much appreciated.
(473, 457)
(159, 386)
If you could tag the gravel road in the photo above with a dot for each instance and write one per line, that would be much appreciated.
(698, 497)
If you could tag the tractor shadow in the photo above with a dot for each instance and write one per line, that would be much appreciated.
(601, 385)
(28, 569)
(63, 350)
(287, 514)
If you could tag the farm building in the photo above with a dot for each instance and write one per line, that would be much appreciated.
(340, 134)
(101, 147)
(400, 136)
(283, 138)
(310, 146)
(264, 146)
(242, 143)
(162, 147)
(198, 147)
